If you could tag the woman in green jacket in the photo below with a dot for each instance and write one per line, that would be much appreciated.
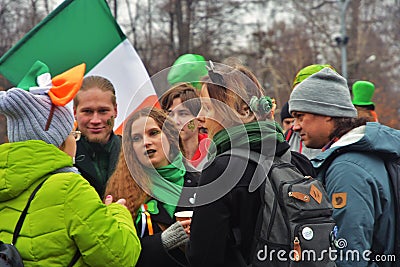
(66, 218)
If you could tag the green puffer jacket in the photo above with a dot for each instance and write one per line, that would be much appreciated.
(65, 215)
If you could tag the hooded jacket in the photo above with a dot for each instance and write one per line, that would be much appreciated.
(294, 140)
(66, 214)
(360, 190)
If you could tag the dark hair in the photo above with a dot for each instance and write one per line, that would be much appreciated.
(344, 125)
(185, 92)
(366, 112)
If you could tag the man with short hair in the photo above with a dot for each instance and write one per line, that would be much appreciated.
(350, 166)
(95, 110)
(286, 118)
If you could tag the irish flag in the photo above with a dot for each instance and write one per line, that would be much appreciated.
(82, 31)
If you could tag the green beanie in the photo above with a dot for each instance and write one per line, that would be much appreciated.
(308, 71)
(188, 68)
(362, 93)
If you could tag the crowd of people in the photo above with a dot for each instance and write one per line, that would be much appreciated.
(110, 200)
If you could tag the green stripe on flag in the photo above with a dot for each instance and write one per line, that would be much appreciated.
(77, 31)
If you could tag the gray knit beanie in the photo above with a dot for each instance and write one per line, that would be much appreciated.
(324, 93)
(27, 115)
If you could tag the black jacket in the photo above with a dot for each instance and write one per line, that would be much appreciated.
(153, 253)
(97, 162)
(213, 242)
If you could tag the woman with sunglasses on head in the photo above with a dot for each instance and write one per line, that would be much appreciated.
(151, 175)
(237, 116)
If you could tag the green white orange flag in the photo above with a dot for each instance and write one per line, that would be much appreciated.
(82, 31)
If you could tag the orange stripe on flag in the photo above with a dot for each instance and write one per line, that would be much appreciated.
(151, 101)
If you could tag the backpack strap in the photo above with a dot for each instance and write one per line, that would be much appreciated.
(393, 169)
(264, 164)
(75, 258)
(21, 219)
(287, 156)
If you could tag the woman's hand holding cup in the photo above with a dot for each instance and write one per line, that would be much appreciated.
(184, 218)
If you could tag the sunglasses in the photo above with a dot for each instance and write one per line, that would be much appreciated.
(76, 135)
(215, 77)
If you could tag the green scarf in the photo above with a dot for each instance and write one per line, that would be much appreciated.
(167, 183)
(248, 133)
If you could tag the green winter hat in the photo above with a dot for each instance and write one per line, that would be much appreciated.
(308, 71)
(188, 68)
(362, 93)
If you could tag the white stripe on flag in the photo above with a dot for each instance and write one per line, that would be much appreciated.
(125, 70)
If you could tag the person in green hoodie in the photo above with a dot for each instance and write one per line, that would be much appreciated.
(66, 221)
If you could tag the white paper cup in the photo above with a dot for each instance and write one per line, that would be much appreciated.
(183, 215)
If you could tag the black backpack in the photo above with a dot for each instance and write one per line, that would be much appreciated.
(393, 169)
(295, 225)
(9, 255)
